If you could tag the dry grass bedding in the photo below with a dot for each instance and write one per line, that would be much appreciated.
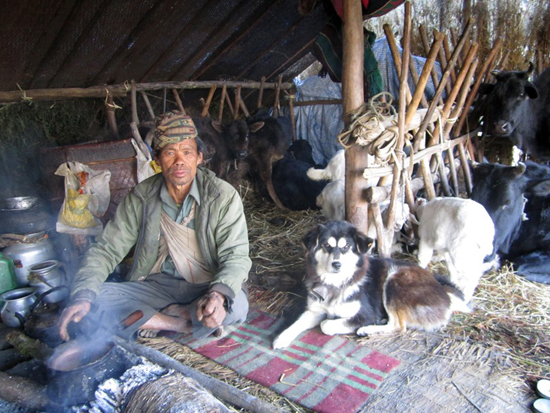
(503, 346)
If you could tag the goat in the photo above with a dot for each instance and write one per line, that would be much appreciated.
(462, 231)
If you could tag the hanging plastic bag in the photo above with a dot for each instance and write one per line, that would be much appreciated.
(87, 198)
(145, 167)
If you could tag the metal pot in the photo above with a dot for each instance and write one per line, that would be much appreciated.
(17, 306)
(18, 203)
(46, 275)
(76, 368)
(25, 254)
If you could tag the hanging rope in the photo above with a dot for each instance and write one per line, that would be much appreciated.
(366, 126)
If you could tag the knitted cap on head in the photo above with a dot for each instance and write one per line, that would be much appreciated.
(173, 127)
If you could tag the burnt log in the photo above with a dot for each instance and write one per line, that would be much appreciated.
(10, 357)
(24, 392)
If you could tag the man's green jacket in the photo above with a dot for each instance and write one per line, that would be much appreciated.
(220, 225)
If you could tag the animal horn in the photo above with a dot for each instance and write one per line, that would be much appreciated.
(531, 68)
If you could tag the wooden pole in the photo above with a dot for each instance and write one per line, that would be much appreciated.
(401, 115)
(261, 92)
(237, 106)
(178, 101)
(135, 118)
(222, 102)
(353, 97)
(111, 118)
(148, 104)
(276, 105)
(208, 101)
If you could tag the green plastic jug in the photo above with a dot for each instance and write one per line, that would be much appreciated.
(7, 274)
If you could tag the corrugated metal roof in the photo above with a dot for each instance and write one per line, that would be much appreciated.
(72, 43)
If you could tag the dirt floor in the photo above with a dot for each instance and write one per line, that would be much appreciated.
(486, 361)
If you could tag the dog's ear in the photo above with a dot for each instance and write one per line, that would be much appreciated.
(310, 239)
(363, 242)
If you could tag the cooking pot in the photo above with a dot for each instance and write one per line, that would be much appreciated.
(18, 203)
(17, 306)
(25, 254)
(76, 369)
(46, 275)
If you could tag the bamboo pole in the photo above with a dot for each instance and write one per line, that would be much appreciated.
(236, 105)
(353, 97)
(261, 92)
(426, 45)
(242, 105)
(111, 119)
(416, 79)
(423, 81)
(396, 58)
(121, 90)
(208, 101)
(135, 118)
(422, 129)
(457, 88)
(276, 105)
(229, 104)
(164, 98)
(148, 105)
(443, 62)
(178, 101)
(475, 87)
(401, 117)
(291, 112)
(222, 102)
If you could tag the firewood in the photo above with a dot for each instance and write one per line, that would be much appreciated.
(28, 346)
(24, 392)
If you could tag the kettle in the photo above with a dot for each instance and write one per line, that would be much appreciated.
(17, 306)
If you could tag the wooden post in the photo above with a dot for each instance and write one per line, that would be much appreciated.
(353, 97)
(291, 112)
(222, 102)
(135, 118)
(276, 105)
(237, 106)
(111, 119)
(261, 92)
(178, 101)
(148, 104)
(208, 101)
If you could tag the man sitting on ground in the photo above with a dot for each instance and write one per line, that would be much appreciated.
(191, 249)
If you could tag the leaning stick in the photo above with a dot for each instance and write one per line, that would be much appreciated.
(208, 101)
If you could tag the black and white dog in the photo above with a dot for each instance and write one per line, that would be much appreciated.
(350, 292)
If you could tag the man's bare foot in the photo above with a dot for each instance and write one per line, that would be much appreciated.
(148, 333)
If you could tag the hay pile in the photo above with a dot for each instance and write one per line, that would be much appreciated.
(507, 332)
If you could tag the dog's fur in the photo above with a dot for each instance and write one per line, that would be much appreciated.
(348, 292)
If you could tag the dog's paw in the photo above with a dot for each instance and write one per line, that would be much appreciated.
(330, 327)
(282, 340)
(367, 330)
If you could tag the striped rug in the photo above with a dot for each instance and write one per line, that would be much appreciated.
(320, 372)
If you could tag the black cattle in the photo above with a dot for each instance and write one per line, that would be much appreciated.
(517, 199)
(294, 188)
(224, 143)
(519, 110)
(268, 144)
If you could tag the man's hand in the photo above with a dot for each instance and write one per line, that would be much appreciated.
(74, 312)
(210, 309)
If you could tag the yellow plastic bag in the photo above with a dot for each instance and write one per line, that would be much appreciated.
(87, 198)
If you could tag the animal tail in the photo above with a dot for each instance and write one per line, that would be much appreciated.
(317, 174)
(458, 303)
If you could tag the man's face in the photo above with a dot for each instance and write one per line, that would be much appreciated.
(179, 162)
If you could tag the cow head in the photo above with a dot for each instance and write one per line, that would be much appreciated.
(236, 136)
(505, 100)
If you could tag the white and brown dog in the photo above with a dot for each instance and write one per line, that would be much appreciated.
(350, 292)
